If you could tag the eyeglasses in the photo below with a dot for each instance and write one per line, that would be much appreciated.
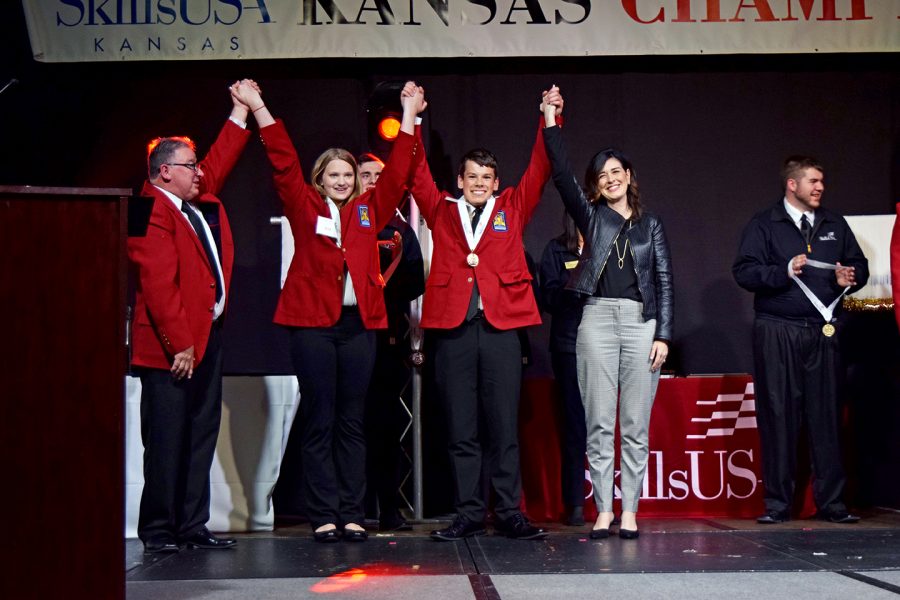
(192, 166)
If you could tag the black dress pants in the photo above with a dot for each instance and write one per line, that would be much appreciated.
(796, 383)
(386, 420)
(573, 434)
(179, 429)
(333, 366)
(478, 374)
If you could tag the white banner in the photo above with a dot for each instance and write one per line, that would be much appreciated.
(107, 30)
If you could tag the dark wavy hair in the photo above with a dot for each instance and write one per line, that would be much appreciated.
(569, 236)
(593, 172)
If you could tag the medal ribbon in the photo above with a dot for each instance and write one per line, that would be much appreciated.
(827, 312)
(473, 237)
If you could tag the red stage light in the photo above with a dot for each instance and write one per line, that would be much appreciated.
(339, 582)
(389, 127)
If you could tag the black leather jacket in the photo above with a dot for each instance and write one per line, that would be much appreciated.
(600, 225)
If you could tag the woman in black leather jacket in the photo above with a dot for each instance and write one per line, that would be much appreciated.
(626, 325)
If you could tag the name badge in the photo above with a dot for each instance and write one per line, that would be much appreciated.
(571, 264)
(325, 226)
(499, 222)
(364, 215)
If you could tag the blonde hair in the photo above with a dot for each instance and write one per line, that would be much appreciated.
(322, 162)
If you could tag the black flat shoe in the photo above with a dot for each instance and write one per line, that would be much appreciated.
(329, 536)
(355, 535)
(629, 534)
(599, 534)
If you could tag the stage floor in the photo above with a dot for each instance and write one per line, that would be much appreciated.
(683, 558)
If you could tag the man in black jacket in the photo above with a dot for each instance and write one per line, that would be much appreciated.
(799, 260)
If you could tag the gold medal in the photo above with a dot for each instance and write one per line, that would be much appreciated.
(472, 260)
(828, 329)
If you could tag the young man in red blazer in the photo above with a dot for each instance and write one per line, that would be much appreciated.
(183, 267)
(477, 295)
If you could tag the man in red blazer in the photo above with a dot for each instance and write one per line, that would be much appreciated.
(183, 268)
(477, 295)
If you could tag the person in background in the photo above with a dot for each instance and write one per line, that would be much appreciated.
(625, 276)
(403, 270)
(331, 303)
(560, 257)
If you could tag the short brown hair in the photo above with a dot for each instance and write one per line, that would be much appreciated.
(795, 166)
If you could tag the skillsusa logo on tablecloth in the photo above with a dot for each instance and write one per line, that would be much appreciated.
(727, 413)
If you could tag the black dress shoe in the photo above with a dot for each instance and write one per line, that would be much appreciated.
(599, 534)
(839, 516)
(629, 534)
(460, 528)
(773, 516)
(160, 544)
(518, 527)
(576, 516)
(329, 536)
(396, 523)
(204, 539)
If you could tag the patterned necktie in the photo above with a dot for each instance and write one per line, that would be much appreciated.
(210, 255)
(473, 299)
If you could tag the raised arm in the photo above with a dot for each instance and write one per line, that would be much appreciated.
(531, 186)
(391, 185)
(225, 151)
(577, 204)
(288, 175)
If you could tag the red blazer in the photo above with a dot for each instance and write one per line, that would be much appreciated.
(502, 272)
(895, 266)
(313, 290)
(176, 287)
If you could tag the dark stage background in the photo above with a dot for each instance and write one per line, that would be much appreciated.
(707, 135)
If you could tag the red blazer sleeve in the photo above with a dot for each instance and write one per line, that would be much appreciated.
(527, 194)
(287, 174)
(391, 184)
(222, 157)
(426, 194)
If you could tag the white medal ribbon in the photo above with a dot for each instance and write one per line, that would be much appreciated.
(827, 312)
(473, 237)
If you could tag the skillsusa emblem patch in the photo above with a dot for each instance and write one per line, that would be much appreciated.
(364, 216)
(499, 222)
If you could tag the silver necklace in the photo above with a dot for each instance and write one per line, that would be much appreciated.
(621, 256)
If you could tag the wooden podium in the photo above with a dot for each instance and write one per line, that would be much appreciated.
(63, 285)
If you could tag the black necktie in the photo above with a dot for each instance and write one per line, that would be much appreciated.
(806, 230)
(473, 300)
(210, 255)
(476, 215)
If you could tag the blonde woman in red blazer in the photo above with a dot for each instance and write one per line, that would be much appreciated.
(182, 292)
(331, 302)
(477, 294)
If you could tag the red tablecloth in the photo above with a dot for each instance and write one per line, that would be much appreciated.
(704, 451)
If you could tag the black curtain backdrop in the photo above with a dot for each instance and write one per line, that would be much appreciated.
(707, 135)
